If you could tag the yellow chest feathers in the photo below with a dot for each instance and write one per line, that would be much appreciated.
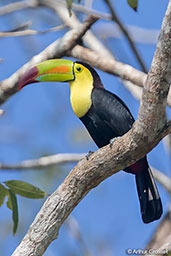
(81, 89)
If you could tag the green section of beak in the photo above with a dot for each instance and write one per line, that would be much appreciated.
(57, 70)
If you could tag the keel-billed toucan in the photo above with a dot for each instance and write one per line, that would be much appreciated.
(105, 116)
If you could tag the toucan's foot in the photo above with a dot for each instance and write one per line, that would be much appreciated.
(112, 141)
(89, 154)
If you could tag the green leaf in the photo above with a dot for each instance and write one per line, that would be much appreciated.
(9, 203)
(133, 4)
(3, 193)
(69, 6)
(25, 189)
(13, 200)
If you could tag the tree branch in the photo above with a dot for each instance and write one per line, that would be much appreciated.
(135, 90)
(161, 240)
(167, 143)
(114, 67)
(44, 161)
(1, 112)
(21, 27)
(162, 179)
(109, 65)
(17, 6)
(57, 49)
(138, 34)
(145, 134)
(127, 35)
(29, 32)
(74, 230)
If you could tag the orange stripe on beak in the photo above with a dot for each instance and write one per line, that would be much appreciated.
(60, 69)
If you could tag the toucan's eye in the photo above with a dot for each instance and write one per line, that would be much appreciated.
(79, 69)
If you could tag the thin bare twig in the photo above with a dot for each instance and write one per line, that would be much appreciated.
(42, 162)
(21, 27)
(1, 112)
(135, 90)
(74, 230)
(17, 6)
(164, 180)
(138, 34)
(64, 158)
(29, 32)
(169, 98)
(127, 35)
(167, 143)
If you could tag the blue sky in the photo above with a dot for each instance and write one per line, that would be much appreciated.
(39, 120)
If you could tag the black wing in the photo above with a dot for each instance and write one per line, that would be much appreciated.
(112, 110)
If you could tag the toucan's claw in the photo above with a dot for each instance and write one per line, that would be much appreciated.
(112, 141)
(89, 154)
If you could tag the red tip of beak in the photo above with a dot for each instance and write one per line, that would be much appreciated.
(28, 77)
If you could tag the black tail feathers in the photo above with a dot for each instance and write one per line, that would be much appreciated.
(150, 202)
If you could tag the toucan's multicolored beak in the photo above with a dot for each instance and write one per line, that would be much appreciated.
(57, 70)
